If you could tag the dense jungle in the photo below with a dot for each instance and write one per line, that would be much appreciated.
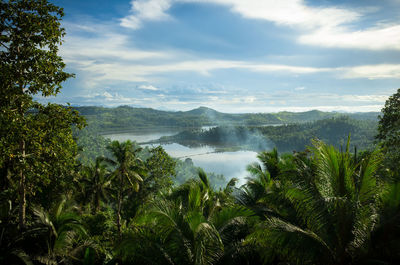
(325, 190)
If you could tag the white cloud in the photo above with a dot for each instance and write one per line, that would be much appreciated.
(299, 88)
(377, 38)
(104, 46)
(110, 100)
(250, 99)
(320, 26)
(109, 57)
(132, 69)
(107, 95)
(344, 108)
(284, 68)
(131, 21)
(288, 12)
(148, 87)
(143, 10)
(284, 12)
(378, 71)
(364, 98)
(137, 72)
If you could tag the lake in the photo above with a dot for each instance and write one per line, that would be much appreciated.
(229, 164)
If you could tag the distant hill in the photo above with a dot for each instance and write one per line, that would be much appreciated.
(128, 118)
(285, 138)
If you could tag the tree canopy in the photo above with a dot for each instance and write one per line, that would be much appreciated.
(389, 130)
(35, 140)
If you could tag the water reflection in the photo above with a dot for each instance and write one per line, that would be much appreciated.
(229, 164)
(140, 137)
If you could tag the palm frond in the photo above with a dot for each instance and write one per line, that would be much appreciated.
(290, 242)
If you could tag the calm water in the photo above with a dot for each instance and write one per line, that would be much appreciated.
(140, 137)
(230, 164)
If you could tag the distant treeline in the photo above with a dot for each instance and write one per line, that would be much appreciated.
(285, 138)
(127, 118)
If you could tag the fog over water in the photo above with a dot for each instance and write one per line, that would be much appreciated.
(229, 164)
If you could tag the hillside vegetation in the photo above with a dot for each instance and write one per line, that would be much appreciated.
(285, 138)
(321, 206)
(126, 118)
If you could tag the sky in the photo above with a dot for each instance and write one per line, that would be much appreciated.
(231, 55)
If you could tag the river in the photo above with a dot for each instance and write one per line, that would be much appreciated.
(229, 164)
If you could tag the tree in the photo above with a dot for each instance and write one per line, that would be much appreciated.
(35, 141)
(389, 131)
(96, 183)
(188, 226)
(57, 235)
(128, 170)
(160, 168)
(331, 215)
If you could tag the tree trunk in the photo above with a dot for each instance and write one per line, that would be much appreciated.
(22, 180)
(119, 207)
(22, 189)
(97, 203)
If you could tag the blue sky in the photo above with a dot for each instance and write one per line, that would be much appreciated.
(232, 55)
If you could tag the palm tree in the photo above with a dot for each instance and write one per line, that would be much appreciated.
(335, 211)
(57, 236)
(96, 183)
(272, 171)
(385, 238)
(128, 170)
(188, 226)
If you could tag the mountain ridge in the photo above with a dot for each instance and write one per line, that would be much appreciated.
(125, 118)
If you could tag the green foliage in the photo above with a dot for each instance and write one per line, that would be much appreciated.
(330, 215)
(227, 136)
(333, 131)
(320, 206)
(286, 138)
(127, 174)
(30, 35)
(91, 145)
(95, 183)
(125, 118)
(191, 225)
(60, 230)
(186, 170)
(389, 131)
(35, 141)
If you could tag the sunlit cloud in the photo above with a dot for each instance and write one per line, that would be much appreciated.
(149, 87)
(288, 12)
(112, 46)
(117, 64)
(283, 12)
(145, 10)
(320, 26)
(120, 71)
(379, 71)
(377, 38)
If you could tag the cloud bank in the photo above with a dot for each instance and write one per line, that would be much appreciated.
(320, 25)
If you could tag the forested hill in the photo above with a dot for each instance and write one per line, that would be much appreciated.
(128, 118)
(285, 138)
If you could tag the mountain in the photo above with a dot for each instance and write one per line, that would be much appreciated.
(129, 118)
(202, 111)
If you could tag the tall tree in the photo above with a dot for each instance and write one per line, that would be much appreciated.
(96, 183)
(127, 173)
(389, 131)
(33, 138)
(331, 215)
(191, 225)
